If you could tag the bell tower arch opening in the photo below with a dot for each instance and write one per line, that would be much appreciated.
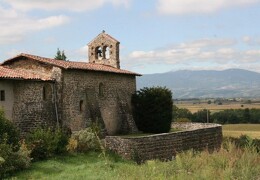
(104, 49)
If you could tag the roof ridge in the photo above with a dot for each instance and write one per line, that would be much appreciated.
(72, 64)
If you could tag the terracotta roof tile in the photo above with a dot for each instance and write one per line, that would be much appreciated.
(72, 64)
(7, 73)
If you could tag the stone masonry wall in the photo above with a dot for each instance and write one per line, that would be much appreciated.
(103, 42)
(30, 109)
(164, 146)
(89, 96)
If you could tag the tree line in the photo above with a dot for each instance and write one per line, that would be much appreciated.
(228, 116)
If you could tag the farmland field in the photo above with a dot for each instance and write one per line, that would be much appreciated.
(236, 130)
(214, 107)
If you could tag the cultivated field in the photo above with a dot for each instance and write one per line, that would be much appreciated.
(214, 107)
(236, 130)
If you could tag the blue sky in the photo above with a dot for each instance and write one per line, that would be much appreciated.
(156, 35)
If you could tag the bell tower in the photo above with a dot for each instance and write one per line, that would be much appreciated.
(104, 49)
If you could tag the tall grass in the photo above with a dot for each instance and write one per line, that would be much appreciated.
(229, 162)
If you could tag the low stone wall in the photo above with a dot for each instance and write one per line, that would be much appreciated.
(197, 136)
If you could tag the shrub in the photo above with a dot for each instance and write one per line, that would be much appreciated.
(44, 143)
(84, 140)
(8, 131)
(152, 109)
(245, 141)
(11, 161)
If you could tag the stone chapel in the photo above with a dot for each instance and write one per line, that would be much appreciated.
(37, 91)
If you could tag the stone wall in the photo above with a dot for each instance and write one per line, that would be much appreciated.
(81, 97)
(104, 41)
(89, 96)
(32, 108)
(164, 146)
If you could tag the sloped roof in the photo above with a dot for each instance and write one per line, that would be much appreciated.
(71, 64)
(7, 73)
(106, 36)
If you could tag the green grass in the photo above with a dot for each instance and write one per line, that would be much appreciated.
(236, 130)
(228, 163)
(77, 166)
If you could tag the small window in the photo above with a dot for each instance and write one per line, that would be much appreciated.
(47, 92)
(44, 93)
(2, 95)
(81, 105)
(101, 90)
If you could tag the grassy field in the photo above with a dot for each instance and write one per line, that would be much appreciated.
(214, 107)
(236, 130)
(228, 163)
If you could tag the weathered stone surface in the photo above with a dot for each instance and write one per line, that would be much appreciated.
(109, 50)
(113, 106)
(31, 107)
(72, 97)
(164, 146)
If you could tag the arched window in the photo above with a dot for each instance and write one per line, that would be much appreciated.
(99, 53)
(107, 52)
(46, 92)
(101, 90)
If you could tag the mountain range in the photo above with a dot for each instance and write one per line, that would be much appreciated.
(228, 83)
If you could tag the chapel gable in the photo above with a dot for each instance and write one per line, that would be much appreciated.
(104, 49)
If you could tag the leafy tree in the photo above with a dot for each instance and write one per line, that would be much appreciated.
(202, 116)
(153, 109)
(246, 118)
(181, 113)
(60, 55)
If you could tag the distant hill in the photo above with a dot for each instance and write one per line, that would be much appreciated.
(202, 84)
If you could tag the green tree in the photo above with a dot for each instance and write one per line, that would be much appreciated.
(202, 116)
(246, 118)
(60, 55)
(181, 113)
(153, 109)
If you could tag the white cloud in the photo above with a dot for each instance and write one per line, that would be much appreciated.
(68, 5)
(16, 25)
(202, 49)
(253, 41)
(201, 53)
(198, 6)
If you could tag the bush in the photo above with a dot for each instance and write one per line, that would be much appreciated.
(11, 161)
(84, 140)
(8, 132)
(45, 143)
(245, 141)
(152, 109)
